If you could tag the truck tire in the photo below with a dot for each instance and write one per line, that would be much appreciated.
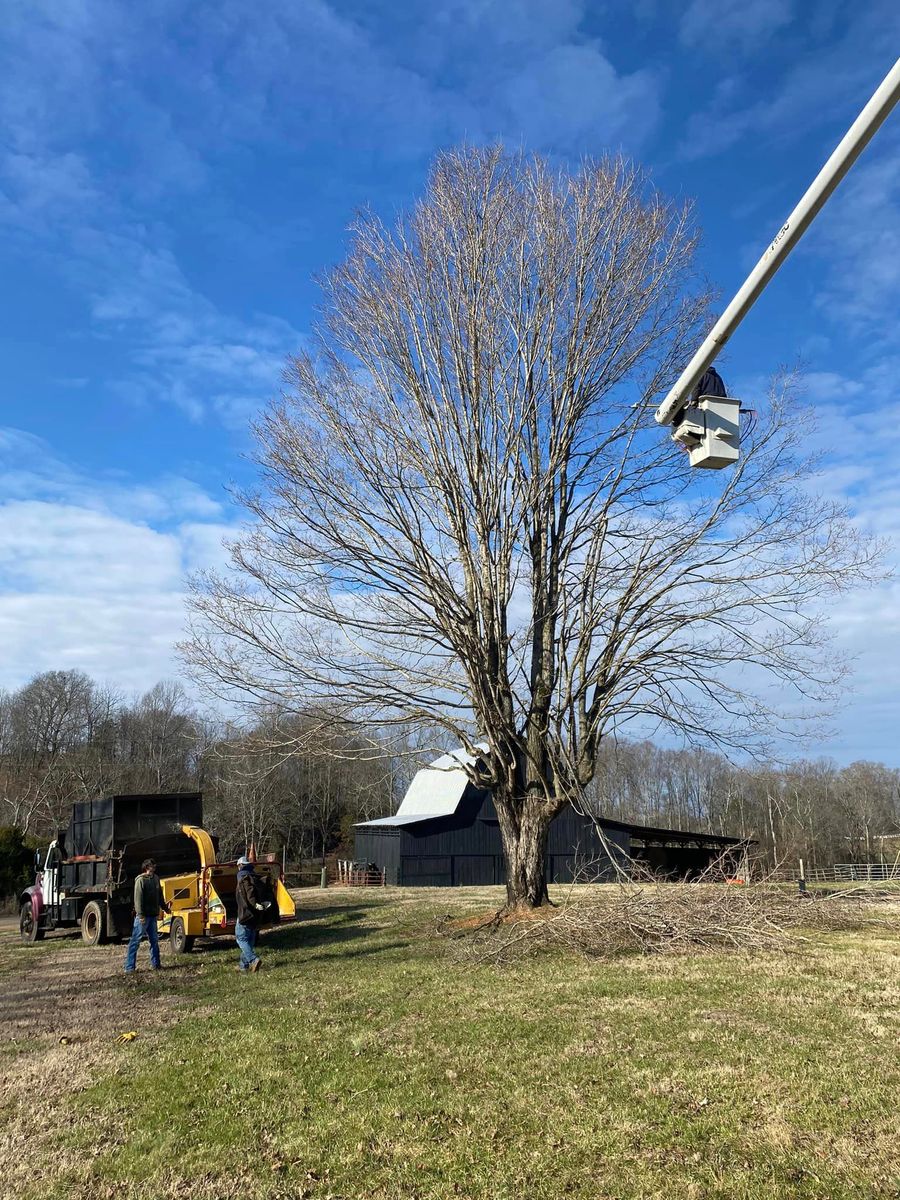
(181, 942)
(93, 923)
(29, 929)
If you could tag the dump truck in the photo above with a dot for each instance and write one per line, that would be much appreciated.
(85, 877)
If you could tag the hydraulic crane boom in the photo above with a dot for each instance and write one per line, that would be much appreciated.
(843, 158)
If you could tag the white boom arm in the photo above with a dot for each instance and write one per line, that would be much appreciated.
(853, 143)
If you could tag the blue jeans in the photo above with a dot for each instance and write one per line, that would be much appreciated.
(144, 927)
(246, 938)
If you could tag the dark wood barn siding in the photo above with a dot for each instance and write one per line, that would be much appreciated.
(576, 851)
(381, 847)
(465, 849)
(453, 851)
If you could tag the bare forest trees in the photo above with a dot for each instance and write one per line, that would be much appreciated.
(50, 731)
(286, 785)
(162, 739)
(294, 785)
(467, 522)
(64, 738)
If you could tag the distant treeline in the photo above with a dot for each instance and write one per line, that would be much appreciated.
(813, 810)
(285, 784)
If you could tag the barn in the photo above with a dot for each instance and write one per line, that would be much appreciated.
(446, 834)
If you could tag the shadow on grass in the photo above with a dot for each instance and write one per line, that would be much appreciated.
(318, 928)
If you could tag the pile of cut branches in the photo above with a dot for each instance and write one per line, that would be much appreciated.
(649, 917)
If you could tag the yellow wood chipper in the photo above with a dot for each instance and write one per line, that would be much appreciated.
(204, 904)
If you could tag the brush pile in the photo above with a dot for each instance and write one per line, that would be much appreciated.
(649, 917)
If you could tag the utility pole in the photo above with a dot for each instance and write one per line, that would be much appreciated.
(851, 146)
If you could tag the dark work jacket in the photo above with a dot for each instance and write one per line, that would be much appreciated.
(247, 899)
(711, 384)
(148, 897)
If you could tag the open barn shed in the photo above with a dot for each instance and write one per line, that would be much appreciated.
(446, 834)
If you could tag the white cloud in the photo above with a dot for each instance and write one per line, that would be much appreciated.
(572, 97)
(31, 471)
(857, 435)
(183, 350)
(92, 571)
(858, 429)
(73, 549)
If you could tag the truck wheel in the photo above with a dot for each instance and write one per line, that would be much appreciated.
(93, 923)
(29, 930)
(181, 943)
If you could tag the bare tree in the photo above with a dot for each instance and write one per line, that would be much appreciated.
(46, 726)
(467, 522)
(867, 799)
(161, 738)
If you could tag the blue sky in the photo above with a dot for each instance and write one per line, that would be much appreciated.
(172, 177)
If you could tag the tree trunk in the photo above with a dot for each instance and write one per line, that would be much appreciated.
(524, 829)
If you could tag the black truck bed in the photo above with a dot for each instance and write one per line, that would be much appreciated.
(114, 822)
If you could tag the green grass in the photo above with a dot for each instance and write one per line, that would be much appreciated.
(363, 1062)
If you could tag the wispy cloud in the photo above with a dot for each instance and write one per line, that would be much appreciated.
(857, 435)
(100, 156)
(31, 471)
(726, 24)
(858, 240)
(858, 431)
(819, 80)
(183, 349)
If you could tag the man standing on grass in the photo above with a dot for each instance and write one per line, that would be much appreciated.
(250, 908)
(148, 900)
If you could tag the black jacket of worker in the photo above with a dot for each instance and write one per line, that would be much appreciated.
(249, 899)
(711, 384)
(255, 900)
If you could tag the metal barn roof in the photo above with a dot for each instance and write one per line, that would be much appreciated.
(435, 791)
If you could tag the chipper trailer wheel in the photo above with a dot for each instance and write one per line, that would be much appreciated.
(93, 923)
(29, 929)
(181, 943)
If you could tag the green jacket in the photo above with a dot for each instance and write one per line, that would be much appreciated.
(148, 897)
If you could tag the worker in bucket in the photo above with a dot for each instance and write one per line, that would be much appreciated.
(711, 383)
(251, 910)
(148, 900)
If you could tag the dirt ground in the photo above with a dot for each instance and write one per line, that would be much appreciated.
(67, 989)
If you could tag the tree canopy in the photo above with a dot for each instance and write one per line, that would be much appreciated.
(467, 521)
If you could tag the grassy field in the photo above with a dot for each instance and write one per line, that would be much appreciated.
(364, 1061)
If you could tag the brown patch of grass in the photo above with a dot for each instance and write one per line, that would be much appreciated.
(492, 920)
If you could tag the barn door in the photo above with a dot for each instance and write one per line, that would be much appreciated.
(473, 870)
